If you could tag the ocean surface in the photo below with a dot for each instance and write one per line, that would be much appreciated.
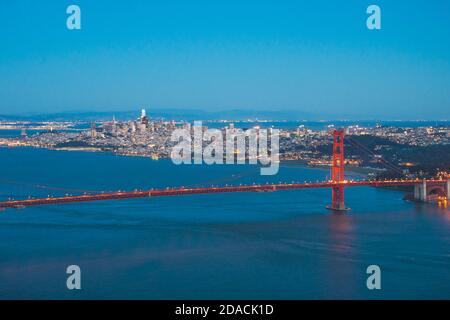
(320, 125)
(279, 245)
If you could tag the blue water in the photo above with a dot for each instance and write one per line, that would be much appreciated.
(320, 125)
(16, 133)
(250, 245)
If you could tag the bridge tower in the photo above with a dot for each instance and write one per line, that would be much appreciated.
(337, 172)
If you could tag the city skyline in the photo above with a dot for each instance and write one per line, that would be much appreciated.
(317, 59)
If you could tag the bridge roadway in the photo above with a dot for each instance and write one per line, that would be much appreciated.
(205, 190)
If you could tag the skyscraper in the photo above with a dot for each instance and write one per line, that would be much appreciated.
(144, 118)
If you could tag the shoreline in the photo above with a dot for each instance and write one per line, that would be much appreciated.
(363, 171)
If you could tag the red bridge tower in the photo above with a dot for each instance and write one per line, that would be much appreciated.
(337, 172)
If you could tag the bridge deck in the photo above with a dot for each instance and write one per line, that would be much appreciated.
(186, 191)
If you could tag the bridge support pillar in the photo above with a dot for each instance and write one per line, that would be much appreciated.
(447, 189)
(337, 199)
(420, 191)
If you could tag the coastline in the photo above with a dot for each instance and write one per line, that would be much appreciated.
(362, 171)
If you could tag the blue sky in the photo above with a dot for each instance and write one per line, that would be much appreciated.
(317, 57)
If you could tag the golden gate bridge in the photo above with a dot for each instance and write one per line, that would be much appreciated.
(424, 190)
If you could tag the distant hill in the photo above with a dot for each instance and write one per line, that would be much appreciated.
(175, 114)
(199, 114)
